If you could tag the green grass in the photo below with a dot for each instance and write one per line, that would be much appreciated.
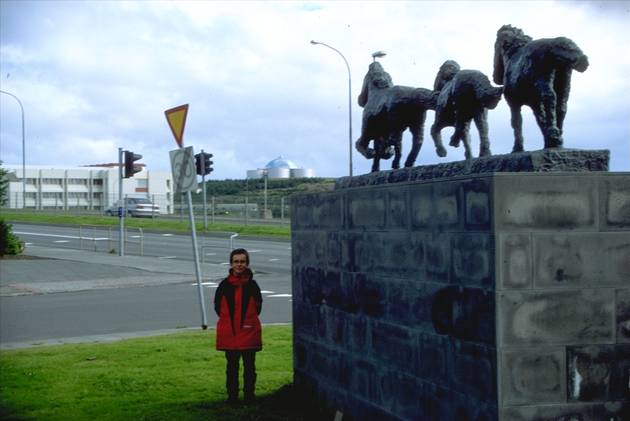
(157, 224)
(174, 377)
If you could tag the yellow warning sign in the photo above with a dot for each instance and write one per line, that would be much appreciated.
(176, 118)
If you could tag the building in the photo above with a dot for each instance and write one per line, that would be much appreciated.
(85, 188)
(281, 168)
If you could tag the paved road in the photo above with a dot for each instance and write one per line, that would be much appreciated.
(69, 295)
(268, 256)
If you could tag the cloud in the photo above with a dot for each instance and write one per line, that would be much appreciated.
(95, 76)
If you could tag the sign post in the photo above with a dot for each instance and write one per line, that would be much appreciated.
(185, 180)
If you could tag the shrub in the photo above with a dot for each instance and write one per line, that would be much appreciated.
(9, 242)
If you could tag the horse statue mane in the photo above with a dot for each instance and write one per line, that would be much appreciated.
(388, 110)
(536, 73)
(447, 72)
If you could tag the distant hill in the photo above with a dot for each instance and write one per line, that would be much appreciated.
(275, 188)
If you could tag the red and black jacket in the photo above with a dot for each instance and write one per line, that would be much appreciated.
(238, 303)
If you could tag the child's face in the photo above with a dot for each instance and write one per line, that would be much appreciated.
(239, 263)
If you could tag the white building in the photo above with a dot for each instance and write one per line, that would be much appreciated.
(281, 168)
(89, 188)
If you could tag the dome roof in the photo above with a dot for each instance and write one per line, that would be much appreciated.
(280, 162)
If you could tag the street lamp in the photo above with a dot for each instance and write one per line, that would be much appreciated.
(349, 101)
(23, 151)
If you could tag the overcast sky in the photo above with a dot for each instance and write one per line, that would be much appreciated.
(94, 76)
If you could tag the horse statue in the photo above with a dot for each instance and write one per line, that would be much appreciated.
(536, 73)
(388, 111)
(464, 95)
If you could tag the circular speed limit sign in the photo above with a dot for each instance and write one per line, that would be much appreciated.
(183, 169)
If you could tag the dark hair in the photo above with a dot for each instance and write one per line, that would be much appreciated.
(240, 251)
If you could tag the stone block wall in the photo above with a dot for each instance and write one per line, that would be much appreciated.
(478, 297)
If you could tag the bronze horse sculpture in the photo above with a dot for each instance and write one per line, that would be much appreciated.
(388, 111)
(464, 95)
(536, 73)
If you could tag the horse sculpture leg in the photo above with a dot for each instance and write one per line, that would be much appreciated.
(546, 114)
(436, 134)
(562, 86)
(517, 126)
(397, 152)
(417, 131)
(462, 131)
(481, 121)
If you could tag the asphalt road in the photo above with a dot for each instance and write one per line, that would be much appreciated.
(54, 313)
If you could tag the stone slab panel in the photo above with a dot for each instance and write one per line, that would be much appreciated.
(328, 212)
(581, 259)
(615, 201)
(366, 209)
(474, 369)
(556, 202)
(421, 206)
(556, 317)
(533, 376)
(473, 258)
(514, 261)
(477, 204)
(398, 208)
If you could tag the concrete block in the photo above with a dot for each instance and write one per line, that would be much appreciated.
(615, 201)
(421, 206)
(310, 247)
(356, 253)
(473, 258)
(433, 358)
(447, 205)
(611, 411)
(397, 214)
(599, 373)
(328, 212)
(515, 261)
(535, 202)
(474, 370)
(464, 313)
(302, 211)
(556, 317)
(391, 253)
(438, 257)
(364, 380)
(366, 209)
(623, 315)
(533, 376)
(372, 296)
(477, 209)
(393, 344)
(581, 259)
(333, 250)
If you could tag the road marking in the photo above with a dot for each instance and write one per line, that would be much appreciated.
(254, 251)
(167, 257)
(225, 263)
(267, 292)
(273, 260)
(206, 284)
(61, 241)
(280, 295)
(167, 235)
(74, 237)
(211, 254)
(28, 244)
(136, 236)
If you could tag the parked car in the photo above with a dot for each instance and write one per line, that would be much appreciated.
(135, 207)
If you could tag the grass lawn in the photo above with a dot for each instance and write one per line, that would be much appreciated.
(155, 224)
(173, 377)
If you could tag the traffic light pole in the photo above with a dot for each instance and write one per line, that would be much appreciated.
(121, 208)
(191, 217)
(203, 184)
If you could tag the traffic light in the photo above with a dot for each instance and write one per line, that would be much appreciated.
(130, 167)
(203, 163)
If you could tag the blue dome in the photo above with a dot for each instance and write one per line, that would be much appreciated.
(280, 162)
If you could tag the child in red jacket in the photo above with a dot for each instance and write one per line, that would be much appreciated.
(238, 303)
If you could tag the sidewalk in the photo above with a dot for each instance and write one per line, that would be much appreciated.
(50, 270)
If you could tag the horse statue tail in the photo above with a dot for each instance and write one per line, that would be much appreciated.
(491, 97)
(568, 53)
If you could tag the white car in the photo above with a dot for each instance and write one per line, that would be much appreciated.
(135, 207)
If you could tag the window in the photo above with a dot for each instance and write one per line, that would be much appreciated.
(77, 181)
(56, 181)
(142, 182)
(97, 182)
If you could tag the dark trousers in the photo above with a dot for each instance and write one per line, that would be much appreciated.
(249, 372)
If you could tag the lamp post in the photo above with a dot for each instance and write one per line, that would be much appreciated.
(23, 150)
(349, 101)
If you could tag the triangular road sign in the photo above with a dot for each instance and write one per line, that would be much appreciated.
(176, 118)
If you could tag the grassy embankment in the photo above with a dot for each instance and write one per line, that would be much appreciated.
(156, 224)
(173, 377)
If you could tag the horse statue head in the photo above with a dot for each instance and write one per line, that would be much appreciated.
(509, 38)
(447, 72)
(375, 78)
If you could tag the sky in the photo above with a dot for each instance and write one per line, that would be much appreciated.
(95, 76)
